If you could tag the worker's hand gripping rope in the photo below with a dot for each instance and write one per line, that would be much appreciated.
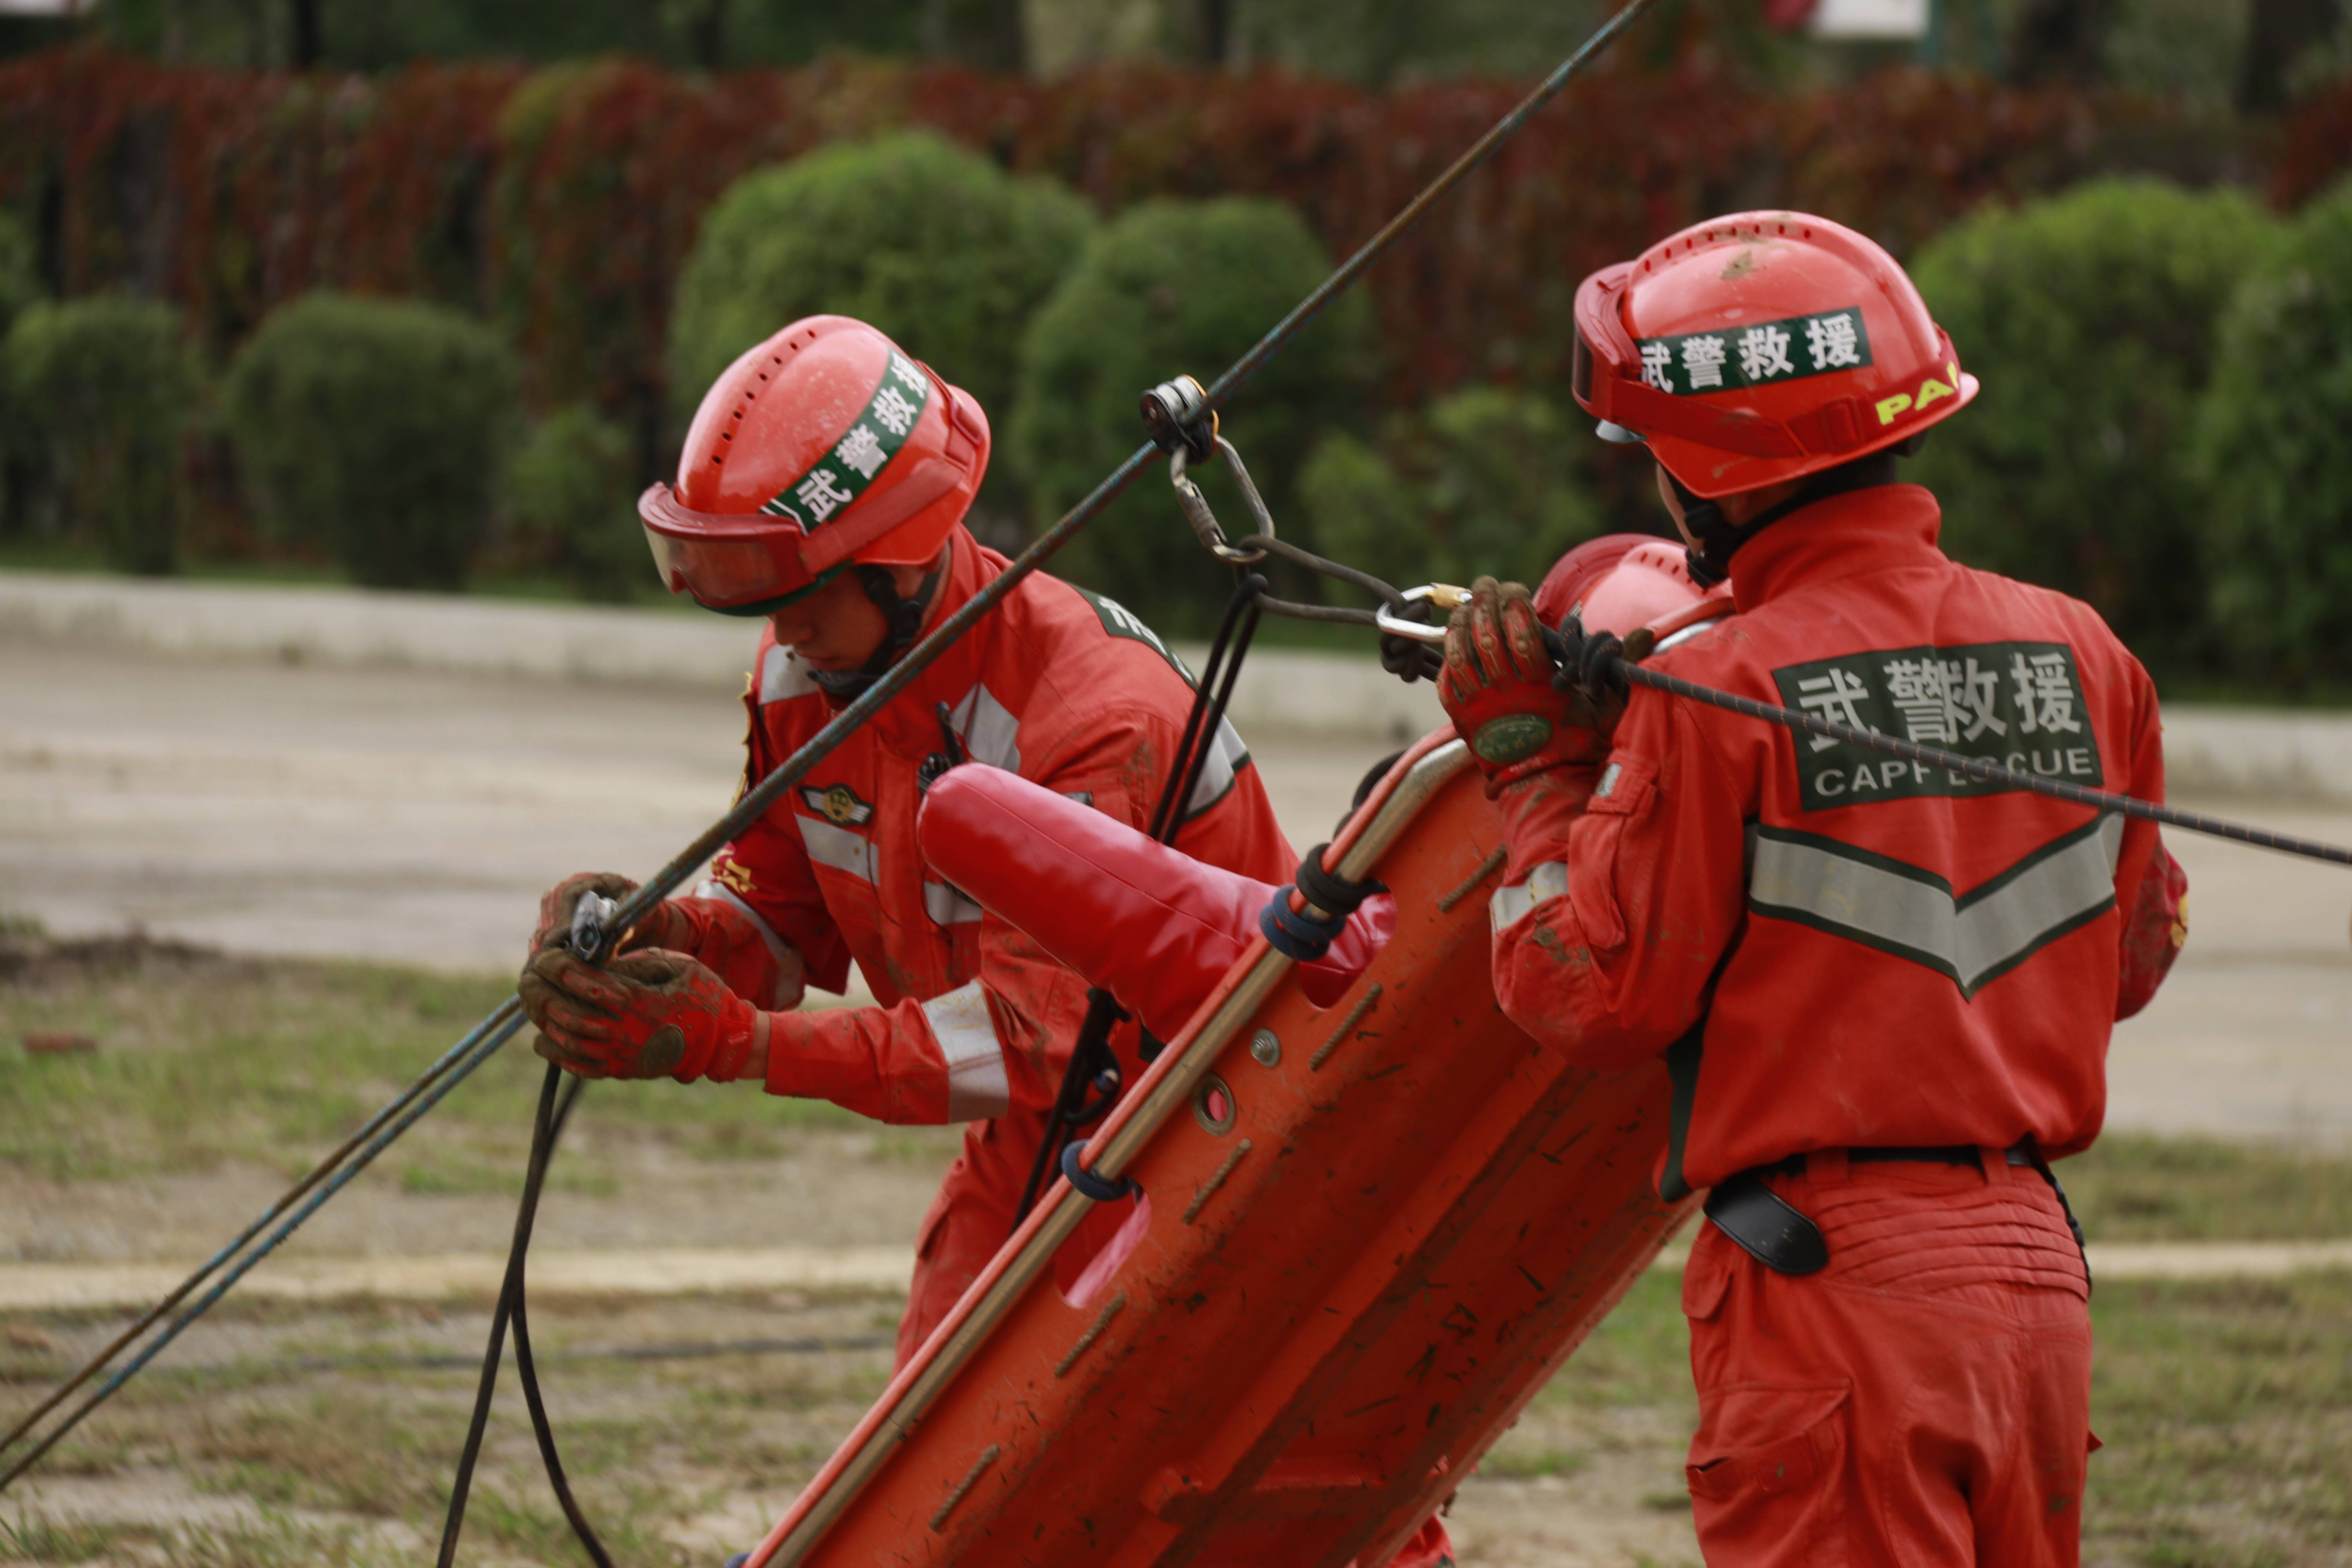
(1503, 688)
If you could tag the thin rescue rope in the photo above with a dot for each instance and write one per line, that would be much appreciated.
(233, 1260)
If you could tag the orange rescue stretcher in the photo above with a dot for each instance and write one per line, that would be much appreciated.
(1366, 1234)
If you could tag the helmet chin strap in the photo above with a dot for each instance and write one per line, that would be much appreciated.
(1718, 536)
(903, 621)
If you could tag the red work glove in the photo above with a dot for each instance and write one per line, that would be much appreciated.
(713, 930)
(1498, 688)
(661, 926)
(653, 1013)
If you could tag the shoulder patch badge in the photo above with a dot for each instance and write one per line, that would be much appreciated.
(838, 803)
(1121, 621)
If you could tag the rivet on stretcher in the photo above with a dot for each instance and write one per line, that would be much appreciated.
(1213, 1105)
(1266, 1048)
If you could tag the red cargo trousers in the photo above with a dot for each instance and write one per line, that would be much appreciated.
(1922, 1401)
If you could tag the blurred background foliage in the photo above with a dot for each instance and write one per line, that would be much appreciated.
(1178, 283)
(2090, 318)
(2115, 205)
(377, 427)
(908, 230)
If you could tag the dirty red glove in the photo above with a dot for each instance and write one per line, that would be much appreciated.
(661, 926)
(1498, 688)
(654, 1014)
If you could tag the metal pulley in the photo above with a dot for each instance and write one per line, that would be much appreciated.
(1181, 424)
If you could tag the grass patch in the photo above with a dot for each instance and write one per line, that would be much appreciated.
(43, 1541)
(1511, 1462)
(287, 1057)
(2227, 1410)
(1639, 1355)
(2225, 1405)
(2137, 1187)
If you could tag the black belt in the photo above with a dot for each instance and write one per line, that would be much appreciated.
(1782, 1238)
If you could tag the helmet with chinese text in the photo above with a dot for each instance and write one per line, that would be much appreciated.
(1759, 348)
(1623, 581)
(826, 445)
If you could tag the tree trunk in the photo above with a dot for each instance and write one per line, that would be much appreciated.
(707, 35)
(987, 34)
(1213, 31)
(2060, 41)
(2278, 33)
(305, 35)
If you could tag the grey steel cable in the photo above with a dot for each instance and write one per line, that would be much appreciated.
(1984, 770)
(292, 1196)
(486, 1046)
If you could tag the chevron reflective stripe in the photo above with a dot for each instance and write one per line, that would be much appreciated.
(837, 847)
(1509, 906)
(1971, 939)
(977, 1087)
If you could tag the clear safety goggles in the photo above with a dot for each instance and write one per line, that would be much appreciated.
(740, 565)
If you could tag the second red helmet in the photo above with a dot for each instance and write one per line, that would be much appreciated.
(1761, 347)
(823, 446)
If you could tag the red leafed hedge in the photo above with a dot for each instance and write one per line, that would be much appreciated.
(562, 202)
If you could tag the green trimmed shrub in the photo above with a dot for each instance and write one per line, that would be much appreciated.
(376, 428)
(2275, 445)
(1179, 287)
(107, 387)
(1485, 482)
(2091, 319)
(932, 243)
(572, 493)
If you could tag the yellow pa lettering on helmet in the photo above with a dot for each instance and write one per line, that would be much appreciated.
(1930, 390)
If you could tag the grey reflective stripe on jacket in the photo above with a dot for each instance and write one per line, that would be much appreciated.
(949, 906)
(778, 947)
(1911, 913)
(977, 1085)
(1220, 760)
(1511, 905)
(837, 847)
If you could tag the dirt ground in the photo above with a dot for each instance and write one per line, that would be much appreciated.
(281, 1433)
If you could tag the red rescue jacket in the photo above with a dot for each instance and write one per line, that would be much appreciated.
(1841, 949)
(975, 1022)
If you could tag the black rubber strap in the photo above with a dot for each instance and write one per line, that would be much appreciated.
(1327, 890)
(1102, 1189)
(1293, 934)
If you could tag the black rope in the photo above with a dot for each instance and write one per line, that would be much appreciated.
(1091, 1058)
(547, 1126)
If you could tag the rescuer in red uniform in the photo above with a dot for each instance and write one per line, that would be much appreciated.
(821, 487)
(1882, 990)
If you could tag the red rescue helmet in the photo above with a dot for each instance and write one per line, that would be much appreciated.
(1761, 347)
(823, 446)
(1623, 581)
